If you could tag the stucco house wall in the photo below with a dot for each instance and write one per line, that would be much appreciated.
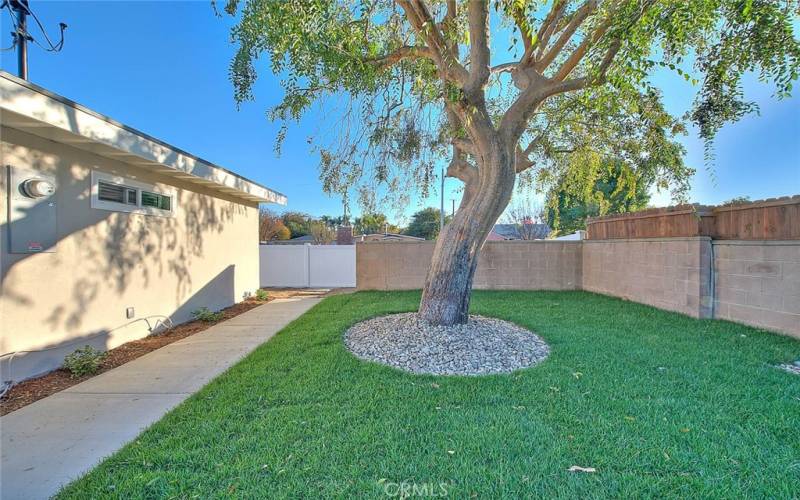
(106, 261)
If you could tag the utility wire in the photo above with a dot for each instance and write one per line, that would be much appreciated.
(53, 47)
(18, 32)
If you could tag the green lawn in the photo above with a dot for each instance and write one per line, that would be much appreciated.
(660, 404)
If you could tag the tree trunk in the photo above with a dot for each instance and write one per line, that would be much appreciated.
(448, 286)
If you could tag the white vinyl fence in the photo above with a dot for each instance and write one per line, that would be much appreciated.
(308, 266)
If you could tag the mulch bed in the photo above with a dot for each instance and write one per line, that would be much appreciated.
(35, 389)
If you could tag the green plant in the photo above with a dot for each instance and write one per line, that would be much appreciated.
(262, 295)
(84, 361)
(207, 315)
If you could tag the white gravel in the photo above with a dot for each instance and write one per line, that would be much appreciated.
(482, 346)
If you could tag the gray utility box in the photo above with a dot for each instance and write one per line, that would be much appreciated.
(31, 211)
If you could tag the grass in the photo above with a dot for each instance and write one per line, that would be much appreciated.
(660, 404)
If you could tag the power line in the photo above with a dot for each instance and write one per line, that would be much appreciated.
(19, 10)
(53, 47)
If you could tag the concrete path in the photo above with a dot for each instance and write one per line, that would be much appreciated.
(53, 441)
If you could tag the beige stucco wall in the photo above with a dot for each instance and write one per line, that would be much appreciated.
(758, 283)
(521, 265)
(670, 273)
(164, 267)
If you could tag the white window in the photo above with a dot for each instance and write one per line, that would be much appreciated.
(120, 194)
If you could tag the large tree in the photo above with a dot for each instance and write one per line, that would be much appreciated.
(421, 80)
(425, 223)
(270, 226)
(616, 188)
(370, 223)
(298, 223)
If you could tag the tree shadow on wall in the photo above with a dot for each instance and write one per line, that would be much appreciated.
(116, 252)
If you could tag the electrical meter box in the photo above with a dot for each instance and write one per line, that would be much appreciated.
(31, 211)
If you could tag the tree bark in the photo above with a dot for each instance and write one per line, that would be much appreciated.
(448, 286)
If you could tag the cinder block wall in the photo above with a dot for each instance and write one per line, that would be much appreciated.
(670, 273)
(758, 283)
(522, 265)
(751, 282)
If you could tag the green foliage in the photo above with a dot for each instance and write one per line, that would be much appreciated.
(585, 132)
(372, 223)
(262, 295)
(425, 224)
(661, 404)
(297, 223)
(84, 361)
(283, 233)
(616, 189)
(388, 130)
(737, 200)
(206, 315)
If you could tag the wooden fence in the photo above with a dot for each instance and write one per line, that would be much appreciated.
(773, 219)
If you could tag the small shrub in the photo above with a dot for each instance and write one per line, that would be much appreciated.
(262, 295)
(206, 315)
(84, 361)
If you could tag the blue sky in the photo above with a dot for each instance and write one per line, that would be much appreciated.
(162, 67)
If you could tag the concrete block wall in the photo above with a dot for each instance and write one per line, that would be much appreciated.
(522, 265)
(751, 282)
(669, 273)
(758, 283)
(530, 265)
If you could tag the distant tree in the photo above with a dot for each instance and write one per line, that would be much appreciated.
(270, 226)
(321, 233)
(526, 214)
(614, 188)
(371, 223)
(738, 200)
(297, 222)
(283, 233)
(333, 221)
(425, 224)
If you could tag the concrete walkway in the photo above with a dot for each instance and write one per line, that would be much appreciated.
(47, 444)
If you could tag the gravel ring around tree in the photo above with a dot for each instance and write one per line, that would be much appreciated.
(482, 346)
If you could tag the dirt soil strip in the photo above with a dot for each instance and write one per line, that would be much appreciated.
(32, 390)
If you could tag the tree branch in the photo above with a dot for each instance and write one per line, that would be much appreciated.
(504, 67)
(421, 20)
(478, 19)
(404, 52)
(597, 79)
(577, 20)
(450, 24)
(521, 161)
(578, 54)
(546, 30)
(461, 169)
(464, 145)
